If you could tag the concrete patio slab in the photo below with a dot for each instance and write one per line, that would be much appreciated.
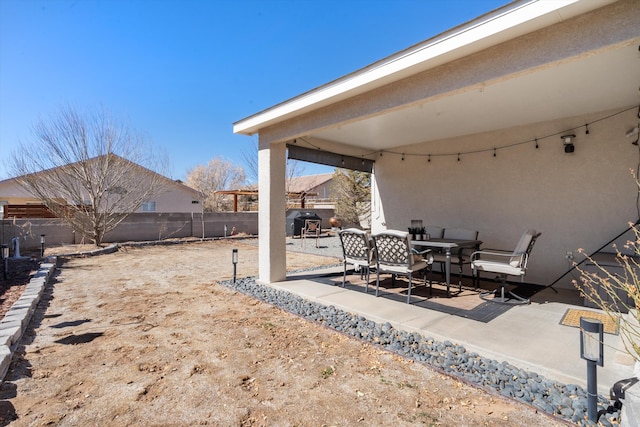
(528, 336)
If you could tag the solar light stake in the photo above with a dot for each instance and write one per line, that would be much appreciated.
(42, 246)
(592, 350)
(234, 260)
(5, 257)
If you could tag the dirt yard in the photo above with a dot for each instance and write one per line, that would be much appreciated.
(146, 337)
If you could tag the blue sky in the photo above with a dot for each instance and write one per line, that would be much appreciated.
(183, 71)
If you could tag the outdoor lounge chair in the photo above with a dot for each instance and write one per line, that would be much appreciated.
(358, 251)
(394, 255)
(505, 264)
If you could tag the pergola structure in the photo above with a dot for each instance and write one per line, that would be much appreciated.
(291, 194)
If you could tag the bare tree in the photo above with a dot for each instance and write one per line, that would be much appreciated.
(90, 169)
(295, 168)
(352, 190)
(218, 174)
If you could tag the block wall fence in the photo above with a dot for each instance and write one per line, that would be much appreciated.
(141, 227)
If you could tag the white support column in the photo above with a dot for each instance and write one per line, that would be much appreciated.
(271, 215)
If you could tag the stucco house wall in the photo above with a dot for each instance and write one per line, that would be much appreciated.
(578, 200)
(177, 198)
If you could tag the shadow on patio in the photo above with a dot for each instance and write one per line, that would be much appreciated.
(529, 336)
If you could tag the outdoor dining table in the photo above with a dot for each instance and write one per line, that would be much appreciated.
(447, 245)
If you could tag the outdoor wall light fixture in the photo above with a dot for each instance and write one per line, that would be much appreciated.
(234, 260)
(42, 246)
(568, 144)
(5, 258)
(592, 350)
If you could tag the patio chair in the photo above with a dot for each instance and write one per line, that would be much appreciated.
(358, 251)
(504, 264)
(312, 227)
(460, 256)
(394, 255)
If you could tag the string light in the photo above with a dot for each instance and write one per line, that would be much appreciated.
(536, 141)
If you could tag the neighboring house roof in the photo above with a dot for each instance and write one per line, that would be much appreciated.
(307, 183)
(11, 188)
(480, 76)
(297, 184)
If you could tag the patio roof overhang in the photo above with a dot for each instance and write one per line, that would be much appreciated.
(589, 82)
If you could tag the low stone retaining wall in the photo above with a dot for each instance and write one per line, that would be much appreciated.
(17, 319)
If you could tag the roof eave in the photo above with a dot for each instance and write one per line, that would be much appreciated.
(510, 21)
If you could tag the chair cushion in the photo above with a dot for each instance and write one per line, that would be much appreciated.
(497, 267)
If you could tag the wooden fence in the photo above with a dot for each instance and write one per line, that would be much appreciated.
(28, 211)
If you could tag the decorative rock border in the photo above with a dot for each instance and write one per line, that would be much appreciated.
(566, 402)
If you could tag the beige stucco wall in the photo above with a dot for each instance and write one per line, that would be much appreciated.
(176, 198)
(14, 194)
(578, 200)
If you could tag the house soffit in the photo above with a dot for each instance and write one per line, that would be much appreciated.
(506, 23)
(586, 85)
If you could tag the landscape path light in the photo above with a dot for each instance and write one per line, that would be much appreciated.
(234, 260)
(5, 258)
(592, 350)
(42, 246)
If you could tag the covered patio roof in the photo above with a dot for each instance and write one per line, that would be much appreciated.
(531, 70)
(486, 96)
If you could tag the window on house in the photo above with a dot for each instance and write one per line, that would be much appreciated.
(149, 207)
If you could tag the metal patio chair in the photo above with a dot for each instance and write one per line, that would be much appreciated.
(394, 255)
(358, 251)
(460, 256)
(504, 263)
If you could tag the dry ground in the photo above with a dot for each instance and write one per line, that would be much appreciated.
(146, 337)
